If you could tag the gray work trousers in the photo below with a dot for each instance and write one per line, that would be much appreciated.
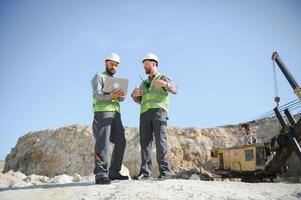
(154, 121)
(107, 126)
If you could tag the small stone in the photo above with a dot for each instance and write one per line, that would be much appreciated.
(19, 175)
(10, 172)
(195, 170)
(124, 171)
(61, 179)
(77, 178)
(185, 176)
(194, 177)
(36, 179)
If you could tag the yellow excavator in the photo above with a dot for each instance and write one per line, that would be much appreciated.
(250, 162)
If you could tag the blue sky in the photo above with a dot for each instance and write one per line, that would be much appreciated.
(218, 53)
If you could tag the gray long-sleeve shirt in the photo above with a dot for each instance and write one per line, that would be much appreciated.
(97, 83)
(247, 138)
(172, 88)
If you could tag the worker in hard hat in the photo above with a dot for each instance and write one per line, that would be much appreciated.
(107, 125)
(153, 96)
(248, 137)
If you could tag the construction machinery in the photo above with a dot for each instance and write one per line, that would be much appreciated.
(252, 162)
(246, 162)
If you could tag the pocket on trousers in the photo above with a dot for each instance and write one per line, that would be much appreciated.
(94, 125)
(160, 115)
(163, 123)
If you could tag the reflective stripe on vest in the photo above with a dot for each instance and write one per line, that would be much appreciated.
(105, 105)
(156, 90)
(154, 97)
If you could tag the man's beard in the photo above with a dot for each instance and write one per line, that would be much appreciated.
(148, 71)
(111, 72)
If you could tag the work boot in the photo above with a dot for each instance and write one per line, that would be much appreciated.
(103, 181)
(163, 177)
(117, 176)
(142, 177)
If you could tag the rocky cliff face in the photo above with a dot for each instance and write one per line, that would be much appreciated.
(70, 150)
(52, 152)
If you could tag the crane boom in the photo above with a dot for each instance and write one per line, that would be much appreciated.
(287, 74)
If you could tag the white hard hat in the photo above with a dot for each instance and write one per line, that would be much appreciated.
(150, 56)
(113, 57)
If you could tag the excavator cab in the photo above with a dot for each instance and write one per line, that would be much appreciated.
(246, 158)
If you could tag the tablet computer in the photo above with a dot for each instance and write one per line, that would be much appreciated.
(115, 84)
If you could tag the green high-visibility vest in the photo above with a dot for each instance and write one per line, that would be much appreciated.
(105, 105)
(153, 97)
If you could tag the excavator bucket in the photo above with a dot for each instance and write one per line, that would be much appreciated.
(288, 142)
